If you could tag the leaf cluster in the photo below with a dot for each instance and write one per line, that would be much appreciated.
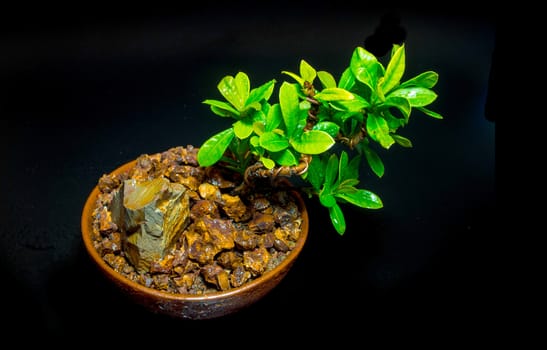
(364, 109)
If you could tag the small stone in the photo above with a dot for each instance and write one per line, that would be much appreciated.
(153, 214)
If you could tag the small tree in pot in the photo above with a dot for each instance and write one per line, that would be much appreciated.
(202, 232)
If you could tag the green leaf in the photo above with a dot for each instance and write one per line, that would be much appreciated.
(352, 170)
(307, 72)
(430, 112)
(258, 128)
(347, 183)
(316, 172)
(401, 140)
(347, 80)
(295, 77)
(326, 79)
(273, 118)
(426, 80)
(416, 96)
(304, 105)
(235, 90)
(373, 160)
(243, 128)
(394, 49)
(328, 127)
(268, 163)
(327, 199)
(366, 67)
(254, 141)
(393, 122)
(394, 70)
(342, 166)
(213, 149)
(401, 103)
(355, 105)
(378, 130)
(312, 142)
(262, 92)
(288, 100)
(222, 109)
(357, 116)
(362, 198)
(337, 219)
(257, 116)
(273, 141)
(284, 158)
(331, 172)
(334, 94)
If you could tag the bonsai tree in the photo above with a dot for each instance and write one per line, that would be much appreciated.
(165, 223)
(320, 130)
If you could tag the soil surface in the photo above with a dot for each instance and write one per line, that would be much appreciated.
(234, 233)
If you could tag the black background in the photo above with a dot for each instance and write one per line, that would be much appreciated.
(85, 90)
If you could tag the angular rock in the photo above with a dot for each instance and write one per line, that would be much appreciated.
(151, 214)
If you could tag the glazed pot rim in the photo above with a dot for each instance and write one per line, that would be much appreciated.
(86, 230)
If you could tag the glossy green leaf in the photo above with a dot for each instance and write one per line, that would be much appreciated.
(337, 219)
(327, 199)
(304, 105)
(394, 71)
(284, 158)
(342, 166)
(326, 79)
(295, 77)
(328, 127)
(374, 161)
(402, 141)
(222, 109)
(255, 147)
(288, 100)
(254, 141)
(334, 94)
(273, 118)
(365, 67)
(273, 142)
(357, 104)
(416, 96)
(268, 163)
(243, 128)
(307, 72)
(258, 116)
(362, 198)
(347, 184)
(394, 49)
(426, 80)
(379, 96)
(331, 172)
(213, 148)
(258, 128)
(316, 172)
(255, 106)
(393, 122)
(430, 112)
(378, 130)
(235, 90)
(239, 147)
(357, 116)
(262, 92)
(347, 80)
(352, 170)
(312, 142)
(401, 103)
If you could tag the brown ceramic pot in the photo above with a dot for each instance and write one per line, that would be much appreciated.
(207, 306)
